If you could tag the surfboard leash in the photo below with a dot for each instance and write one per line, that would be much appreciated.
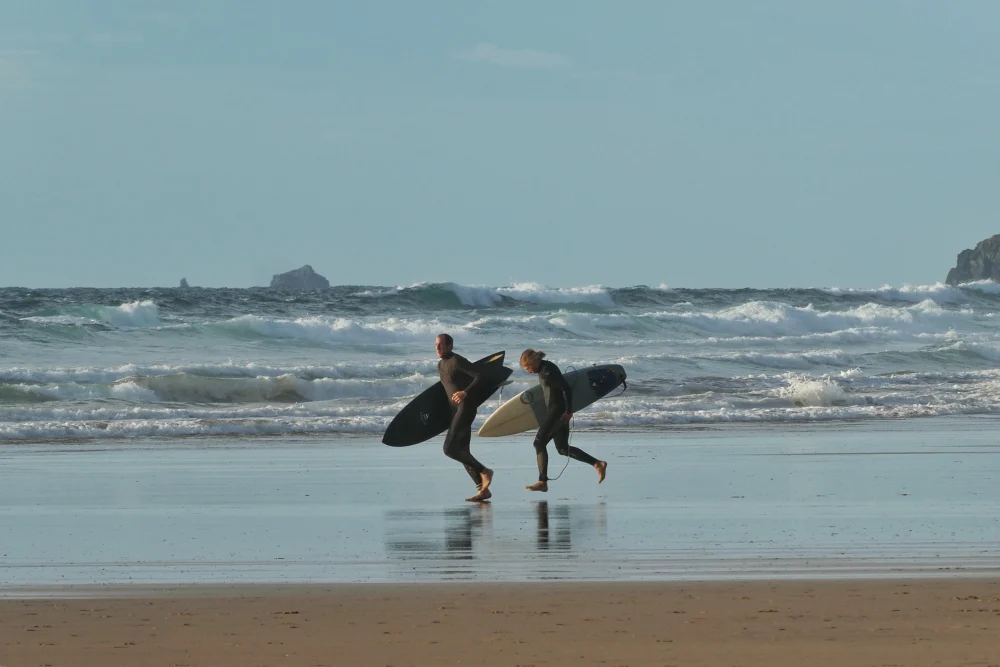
(570, 439)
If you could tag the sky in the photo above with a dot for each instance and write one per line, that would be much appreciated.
(568, 143)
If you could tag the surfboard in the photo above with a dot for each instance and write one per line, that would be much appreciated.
(429, 414)
(525, 411)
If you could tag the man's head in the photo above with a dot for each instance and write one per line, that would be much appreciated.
(443, 344)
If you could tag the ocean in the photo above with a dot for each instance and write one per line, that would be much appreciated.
(83, 364)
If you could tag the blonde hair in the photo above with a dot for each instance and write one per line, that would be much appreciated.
(531, 357)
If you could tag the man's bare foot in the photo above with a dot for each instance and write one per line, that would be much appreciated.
(602, 470)
(480, 497)
(487, 476)
(538, 486)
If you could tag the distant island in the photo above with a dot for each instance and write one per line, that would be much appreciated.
(303, 278)
(184, 283)
(979, 263)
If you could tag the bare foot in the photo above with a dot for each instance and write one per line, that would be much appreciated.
(487, 476)
(602, 470)
(480, 497)
(538, 486)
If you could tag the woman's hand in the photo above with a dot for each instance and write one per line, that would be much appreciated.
(458, 396)
(566, 417)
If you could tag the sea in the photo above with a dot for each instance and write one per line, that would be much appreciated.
(83, 364)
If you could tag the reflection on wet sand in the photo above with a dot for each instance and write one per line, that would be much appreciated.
(490, 534)
(557, 537)
(413, 533)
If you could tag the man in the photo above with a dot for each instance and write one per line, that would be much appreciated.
(464, 385)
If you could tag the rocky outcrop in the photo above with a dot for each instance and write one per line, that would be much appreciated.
(980, 263)
(184, 283)
(300, 279)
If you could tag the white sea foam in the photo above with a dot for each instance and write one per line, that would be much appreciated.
(984, 286)
(132, 315)
(390, 291)
(108, 375)
(185, 388)
(752, 322)
(987, 351)
(482, 296)
(133, 428)
(938, 292)
(771, 318)
(62, 320)
(540, 294)
(165, 412)
(913, 293)
(790, 399)
(475, 295)
(320, 329)
(813, 392)
(193, 389)
(636, 414)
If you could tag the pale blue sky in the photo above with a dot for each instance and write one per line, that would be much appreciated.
(701, 144)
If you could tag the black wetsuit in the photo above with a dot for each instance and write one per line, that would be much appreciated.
(559, 398)
(458, 374)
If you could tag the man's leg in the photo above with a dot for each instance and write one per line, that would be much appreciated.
(477, 479)
(561, 438)
(542, 457)
(456, 443)
(457, 446)
(542, 453)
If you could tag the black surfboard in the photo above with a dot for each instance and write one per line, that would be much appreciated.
(429, 414)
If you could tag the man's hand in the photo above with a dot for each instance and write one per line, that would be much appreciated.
(458, 396)
(566, 417)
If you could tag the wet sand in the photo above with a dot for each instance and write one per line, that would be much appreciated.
(890, 499)
(858, 623)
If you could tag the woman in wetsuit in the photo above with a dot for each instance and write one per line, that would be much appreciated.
(555, 426)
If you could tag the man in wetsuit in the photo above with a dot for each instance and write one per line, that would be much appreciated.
(464, 387)
(555, 426)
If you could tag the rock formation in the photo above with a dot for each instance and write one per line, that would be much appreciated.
(980, 263)
(300, 279)
(184, 283)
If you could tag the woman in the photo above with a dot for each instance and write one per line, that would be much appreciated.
(555, 426)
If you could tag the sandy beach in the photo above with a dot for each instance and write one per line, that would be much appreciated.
(877, 623)
(830, 545)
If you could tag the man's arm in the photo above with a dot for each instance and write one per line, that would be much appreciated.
(465, 366)
(557, 381)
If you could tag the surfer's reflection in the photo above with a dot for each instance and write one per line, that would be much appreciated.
(553, 535)
(463, 527)
(469, 531)
(412, 533)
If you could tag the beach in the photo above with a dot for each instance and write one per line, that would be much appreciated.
(254, 253)
(837, 543)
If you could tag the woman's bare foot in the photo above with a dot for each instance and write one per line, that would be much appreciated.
(480, 497)
(602, 470)
(538, 486)
(487, 476)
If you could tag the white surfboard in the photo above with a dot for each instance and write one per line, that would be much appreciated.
(523, 412)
